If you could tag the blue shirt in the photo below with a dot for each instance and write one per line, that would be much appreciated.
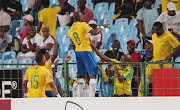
(149, 18)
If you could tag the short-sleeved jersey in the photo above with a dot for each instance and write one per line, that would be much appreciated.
(38, 77)
(78, 33)
(124, 87)
(48, 66)
(163, 45)
(48, 17)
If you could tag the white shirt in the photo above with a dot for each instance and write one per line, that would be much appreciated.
(25, 41)
(98, 38)
(49, 40)
(38, 39)
(170, 21)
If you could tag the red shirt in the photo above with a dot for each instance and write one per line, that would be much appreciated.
(135, 57)
(87, 14)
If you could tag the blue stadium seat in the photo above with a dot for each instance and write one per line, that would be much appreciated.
(53, 5)
(8, 55)
(88, 1)
(59, 75)
(24, 7)
(108, 46)
(103, 50)
(73, 71)
(10, 61)
(107, 32)
(99, 7)
(75, 6)
(60, 60)
(25, 2)
(134, 31)
(112, 9)
(120, 30)
(71, 2)
(108, 21)
(71, 53)
(101, 16)
(133, 22)
(1, 63)
(14, 25)
(177, 65)
(124, 39)
(20, 54)
(90, 6)
(10, 37)
(54, 2)
(25, 61)
(61, 32)
(65, 46)
(121, 22)
(156, 5)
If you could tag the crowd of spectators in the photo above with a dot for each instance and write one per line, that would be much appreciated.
(46, 19)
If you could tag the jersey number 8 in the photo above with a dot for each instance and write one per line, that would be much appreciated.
(77, 38)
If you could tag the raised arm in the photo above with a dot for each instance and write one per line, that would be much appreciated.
(97, 31)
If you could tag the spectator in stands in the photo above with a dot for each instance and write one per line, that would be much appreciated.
(114, 53)
(48, 42)
(87, 13)
(98, 1)
(146, 17)
(4, 39)
(31, 5)
(99, 38)
(47, 17)
(163, 44)
(134, 58)
(165, 2)
(65, 16)
(28, 20)
(5, 21)
(124, 9)
(123, 74)
(73, 83)
(149, 47)
(14, 45)
(49, 62)
(13, 8)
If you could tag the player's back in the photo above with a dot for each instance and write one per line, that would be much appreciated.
(37, 77)
(78, 33)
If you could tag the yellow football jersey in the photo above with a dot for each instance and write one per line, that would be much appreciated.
(48, 66)
(124, 87)
(38, 77)
(78, 33)
(163, 46)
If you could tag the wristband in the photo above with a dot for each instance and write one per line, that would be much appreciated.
(58, 96)
(25, 94)
(102, 27)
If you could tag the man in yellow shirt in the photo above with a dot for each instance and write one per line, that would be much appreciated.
(78, 33)
(38, 77)
(47, 17)
(49, 61)
(123, 76)
(164, 47)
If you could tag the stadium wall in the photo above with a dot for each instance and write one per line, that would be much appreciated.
(128, 103)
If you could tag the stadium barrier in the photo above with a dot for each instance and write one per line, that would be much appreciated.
(153, 79)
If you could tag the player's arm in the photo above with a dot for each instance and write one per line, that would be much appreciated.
(55, 52)
(101, 55)
(25, 88)
(54, 89)
(97, 31)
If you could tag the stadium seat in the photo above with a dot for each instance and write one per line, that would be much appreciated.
(99, 7)
(61, 32)
(124, 39)
(10, 61)
(60, 60)
(107, 32)
(108, 21)
(121, 22)
(88, 1)
(101, 16)
(8, 55)
(24, 7)
(90, 6)
(10, 38)
(120, 30)
(134, 31)
(14, 25)
(71, 2)
(25, 61)
(54, 2)
(156, 5)
(103, 50)
(65, 46)
(73, 71)
(59, 75)
(75, 6)
(53, 5)
(108, 46)
(20, 54)
(177, 60)
(112, 9)
(25, 2)
(133, 22)
(1, 63)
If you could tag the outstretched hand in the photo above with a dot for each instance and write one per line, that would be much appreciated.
(67, 59)
(171, 30)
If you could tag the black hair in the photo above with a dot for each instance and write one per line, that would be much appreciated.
(39, 58)
(158, 24)
(76, 16)
(42, 51)
(116, 41)
(45, 3)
